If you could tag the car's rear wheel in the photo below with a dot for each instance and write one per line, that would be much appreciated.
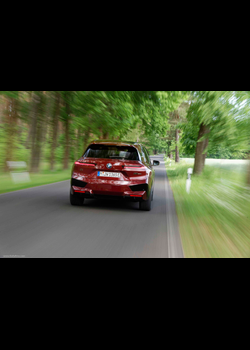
(76, 200)
(146, 205)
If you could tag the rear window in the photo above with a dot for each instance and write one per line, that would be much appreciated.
(111, 152)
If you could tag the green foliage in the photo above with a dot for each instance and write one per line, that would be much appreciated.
(189, 139)
(214, 109)
(10, 94)
(146, 116)
(226, 113)
(2, 144)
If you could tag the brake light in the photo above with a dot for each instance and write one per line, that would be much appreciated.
(140, 167)
(85, 164)
(135, 195)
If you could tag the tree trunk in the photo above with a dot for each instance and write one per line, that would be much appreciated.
(204, 155)
(30, 143)
(100, 129)
(200, 147)
(66, 149)
(36, 150)
(54, 133)
(78, 143)
(47, 120)
(2, 109)
(86, 139)
(37, 131)
(168, 151)
(177, 157)
(87, 134)
(248, 171)
(30, 119)
(11, 130)
(75, 143)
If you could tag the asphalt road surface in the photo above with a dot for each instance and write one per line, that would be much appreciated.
(40, 223)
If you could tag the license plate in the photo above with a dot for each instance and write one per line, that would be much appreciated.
(107, 174)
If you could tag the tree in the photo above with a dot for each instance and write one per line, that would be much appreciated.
(242, 117)
(37, 130)
(212, 112)
(10, 125)
(67, 97)
(58, 125)
(55, 120)
(176, 118)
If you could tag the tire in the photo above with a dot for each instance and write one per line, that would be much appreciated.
(74, 200)
(146, 205)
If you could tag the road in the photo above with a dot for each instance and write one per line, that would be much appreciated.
(40, 223)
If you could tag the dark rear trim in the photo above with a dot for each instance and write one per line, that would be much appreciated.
(107, 197)
(78, 183)
(142, 187)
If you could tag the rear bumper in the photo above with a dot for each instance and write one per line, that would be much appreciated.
(109, 193)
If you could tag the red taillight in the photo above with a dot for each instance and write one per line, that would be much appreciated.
(87, 164)
(80, 191)
(134, 167)
(135, 195)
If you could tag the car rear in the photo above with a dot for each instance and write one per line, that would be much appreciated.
(110, 170)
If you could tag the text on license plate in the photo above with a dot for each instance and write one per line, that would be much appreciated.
(108, 174)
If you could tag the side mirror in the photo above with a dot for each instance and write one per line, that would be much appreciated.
(156, 162)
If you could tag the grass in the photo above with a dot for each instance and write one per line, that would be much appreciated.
(214, 219)
(43, 178)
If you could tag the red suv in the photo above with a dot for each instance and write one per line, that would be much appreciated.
(114, 169)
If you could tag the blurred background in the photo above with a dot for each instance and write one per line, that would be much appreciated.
(50, 129)
(54, 127)
(46, 131)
